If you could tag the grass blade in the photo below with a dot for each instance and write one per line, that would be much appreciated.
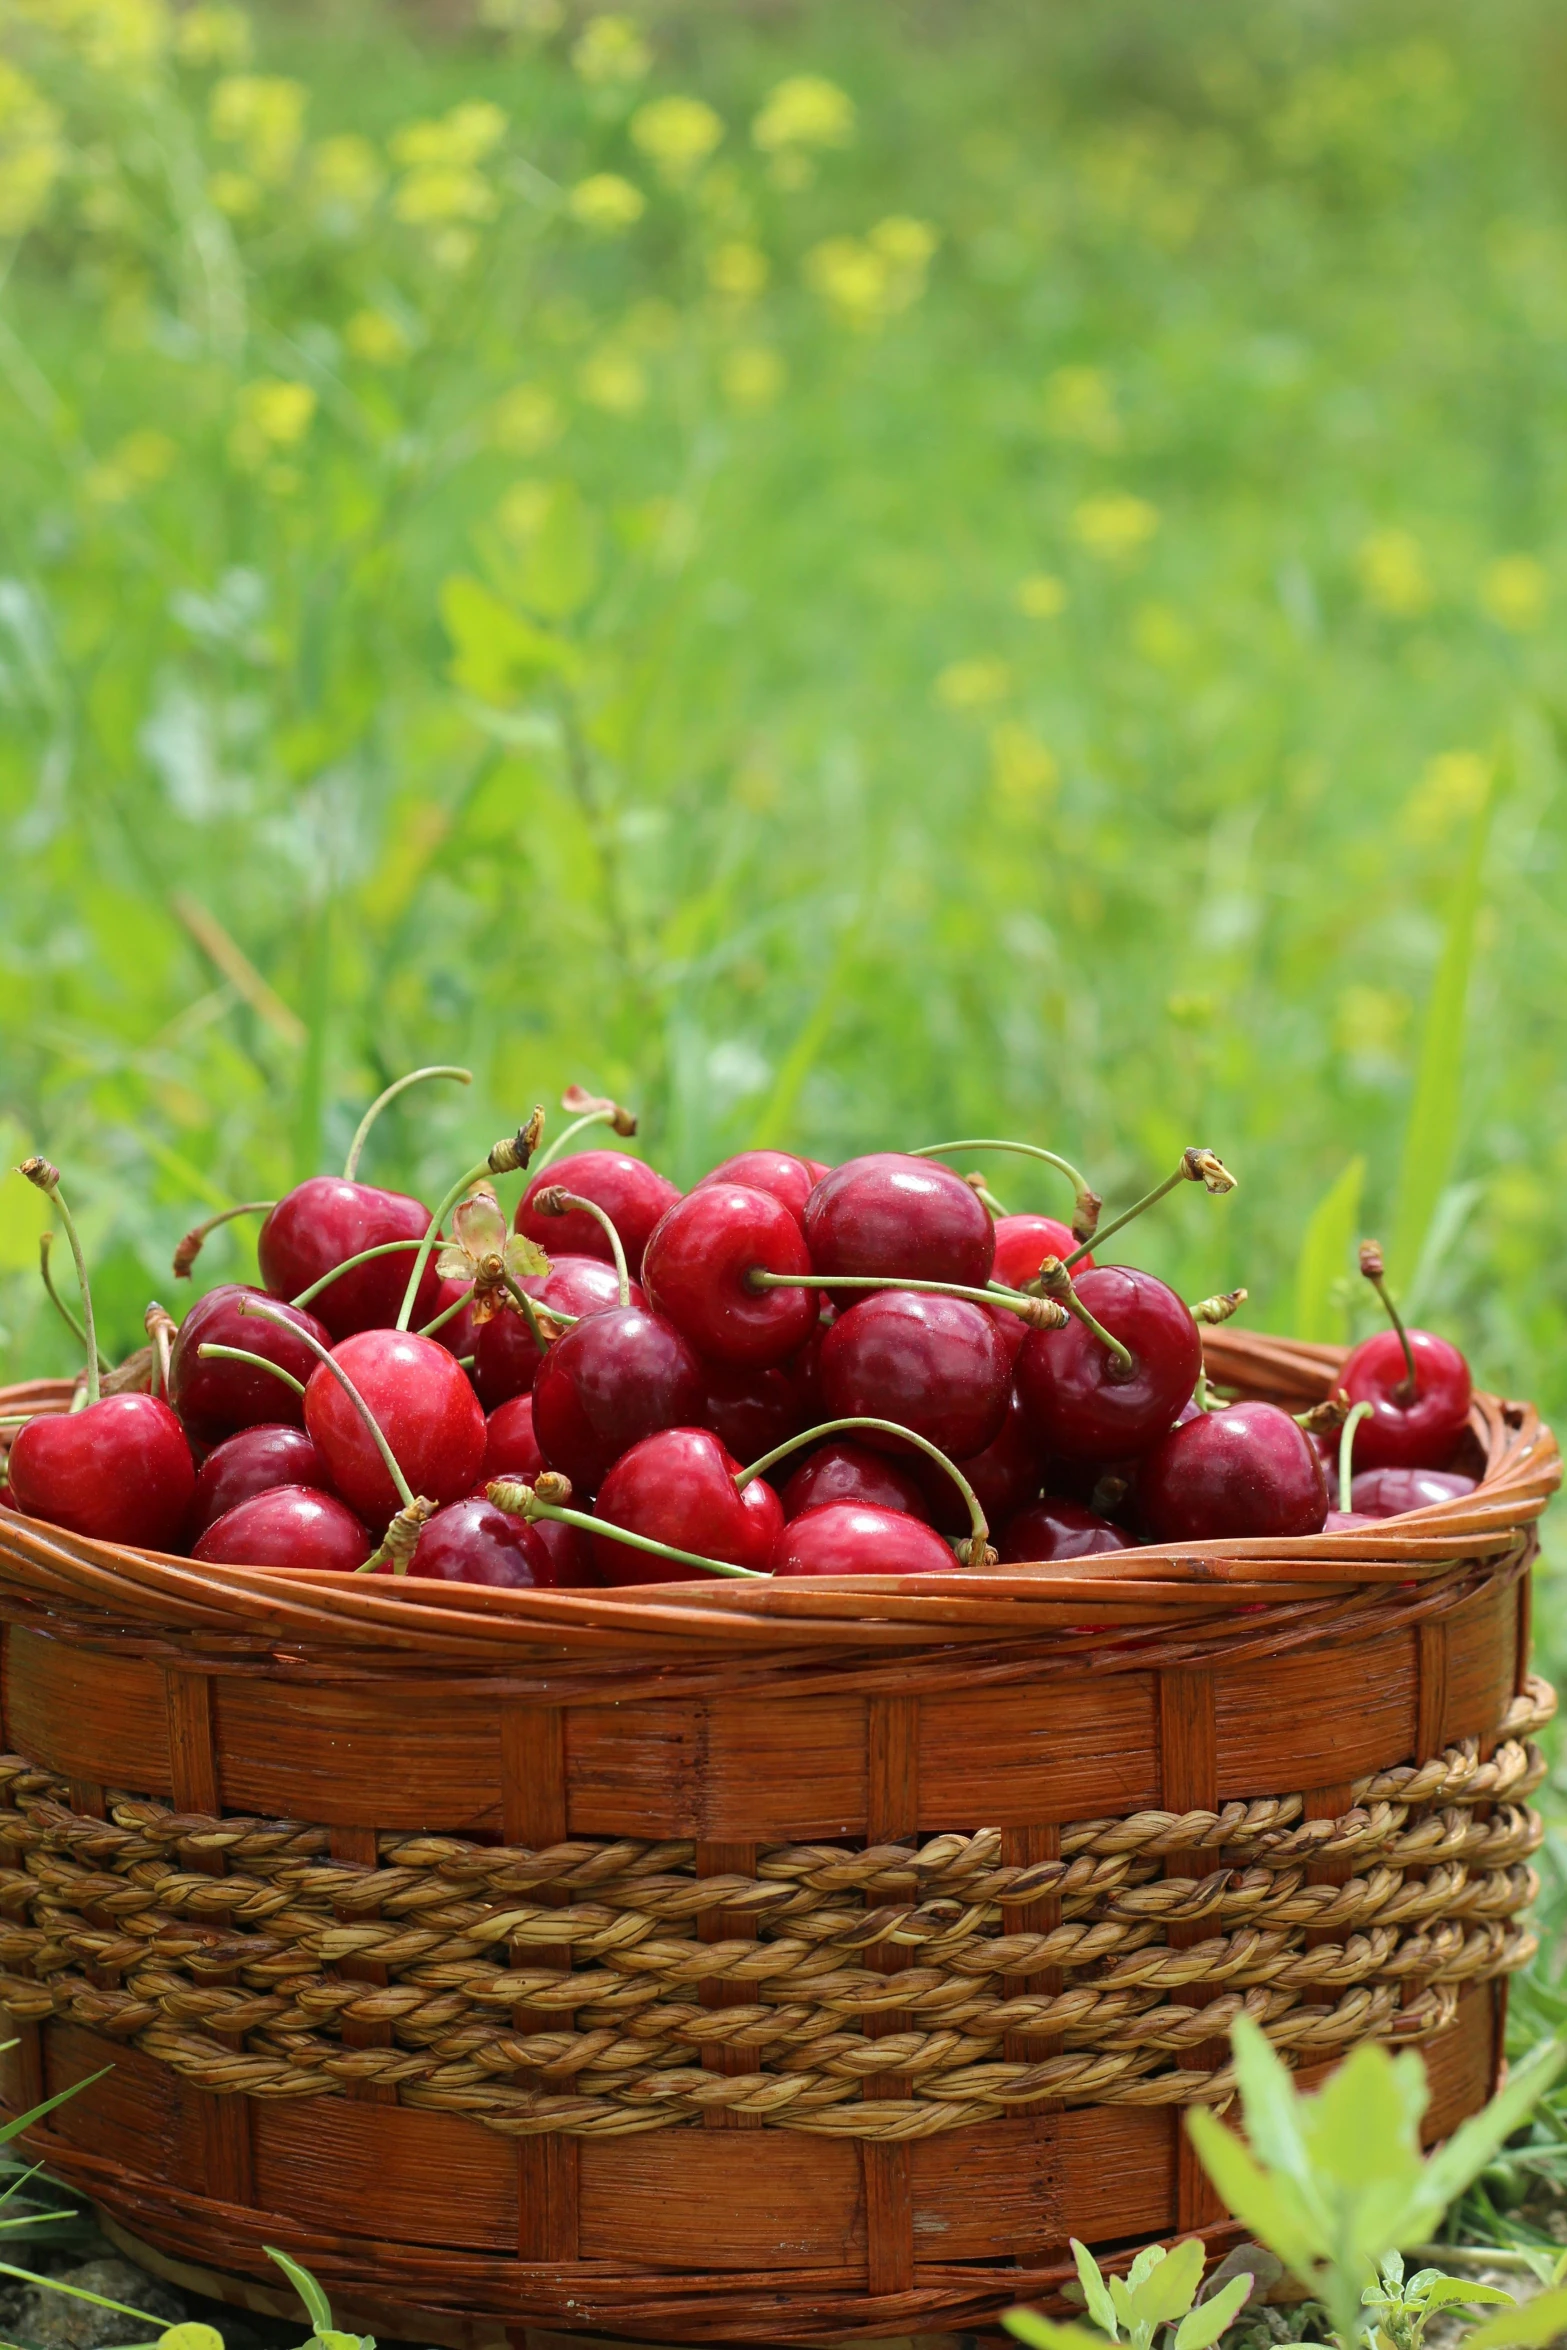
(1325, 1256)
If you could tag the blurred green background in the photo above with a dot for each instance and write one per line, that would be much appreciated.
(847, 575)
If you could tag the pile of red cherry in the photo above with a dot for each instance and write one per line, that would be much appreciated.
(918, 1381)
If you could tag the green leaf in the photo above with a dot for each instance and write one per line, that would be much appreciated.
(24, 2121)
(1208, 2321)
(1089, 2275)
(1271, 2206)
(497, 654)
(1325, 1255)
(1049, 2333)
(1362, 2128)
(1528, 2326)
(560, 568)
(192, 2335)
(1168, 2290)
(1269, 2100)
(75, 2292)
(317, 2307)
(1465, 2293)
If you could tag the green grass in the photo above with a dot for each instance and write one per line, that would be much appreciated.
(695, 743)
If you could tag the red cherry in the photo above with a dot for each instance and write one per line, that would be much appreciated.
(695, 1269)
(325, 1221)
(213, 1398)
(1421, 1432)
(853, 1538)
(1056, 1529)
(1024, 1242)
(1080, 1401)
(841, 1471)
(253, 1462)
(1006, 1475)
(1388, 1493)
(779, 1173)
(615, 1378)
(1245, 1470)
(459, 1336)
(679, 1487)
(471, 1541)
(749, 1411)
(911, 1219)
(424, 1408)
(933, 1364)
(119, 1471)
(287, 1526)
(806, 1370)
(570, 1552)
(632, 1194)
(510, 1447)
(506, 1354)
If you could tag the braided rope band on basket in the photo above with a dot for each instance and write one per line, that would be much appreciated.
(111, 1927)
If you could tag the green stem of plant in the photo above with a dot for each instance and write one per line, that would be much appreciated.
(1346, 1453)
(1053, 1281)
(1371, 1266)
(241, 1354)
(569, 1134)
(1196, 1166)
(1087, 1202)
(522, 1502)
(414, 1077)
(47, 1180)
(384, 1248)
(569, 1200)
(987, 1199)
(464, 1183)
(264, 1310)
(1011, 1300)
(447, 1314)
(189, 1249)
(529, 1312)
(979, 1530)
(1149, 1199)
(45, 1243)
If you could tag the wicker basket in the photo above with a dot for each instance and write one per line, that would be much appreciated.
(747, 1962)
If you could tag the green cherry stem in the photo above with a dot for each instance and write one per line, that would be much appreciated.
(384, 1248)
(1055, 1282)
(264, 1310)
(189, 1249)
(979, 1530)
(45, 1243)
(1035, 1311)
(1346, 1454)
(508, 1155)
(1086, 1205)
(601, 1114)
(240, 1354)
(47, 1179)
(1197, 1166)
(521, 1501)
(414, 1077)
(555, 1200)
(162, 1330)
(1375, 1271)
(530, 1313)
(447, 1313)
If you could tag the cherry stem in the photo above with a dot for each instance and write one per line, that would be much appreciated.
(603, 1117)
(1372, 1267)
(1055, 1282)
(45, 1243)
(397, 1545)
(529, 1312)
(414, 1077)
(460, 1188)
(1028, 1309)
(1085, 1207)
(160, 1327)
(1346, 1454)
(189, 1249)
(47, 1180)
(985, 1196)
(520, 1501)
(980, 1533)
(447, 1313)
(554, 1201)
(264, 1310)
(384, 1248)
(1197, 1166)
(240, 1354)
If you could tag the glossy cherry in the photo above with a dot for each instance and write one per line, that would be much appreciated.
(471, 1541)
(617, 1377)
(912, 1219)
(214, 1397)
(287, 1526)
(570, 1553)
(422, 1404)
(678, 1486)
(695, 1272)
(326, 1220)
(1057, 1529)
(780, 1173)
(459, 1336)
(855, 1538)
(252, 1462)
(506, 1354)
(510, 1447)
(632, 1194)
(934, 1364)
(1006, 1475)
(1081, 1400)
(750, 1411)
(1407, 1432)
(842, 1471)
(1024, 1242)
(1246, 1470)
(118, 1471)
(1388, 1493)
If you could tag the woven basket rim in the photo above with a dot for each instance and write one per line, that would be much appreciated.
(46, 1573)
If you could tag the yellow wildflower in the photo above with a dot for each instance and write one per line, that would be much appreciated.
(212, 35)
(1369, 1022)
(610, 49)
(970, 685)
(752, 376)
(455, 141)
(737, 270)
(1080, 406)
(1023, 770)
(1450, 791)
(264, 116)
(122, 37)
(904, 244)
(235, 193)
(850, 276)
(346, 174)
(606, 202)
(523, 509)
(1514, 591)
(375, 338)
(526, 419)
(804, 111)
(1393, 575)
(441, 192)
(676, 134)
(32, 152)
(141, 459)
(613, 380)
(1115, 525)
(273, 414)
(1041, 595)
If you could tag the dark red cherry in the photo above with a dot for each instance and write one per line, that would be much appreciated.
(854, 1538)
(471, 1541)
(749, 1411)
(696, 1265)
(287, 1526)
(842, 1471)
(510, 1447)
(570, 1553)
(506, 1353)
(805, 1369)
(1418, 1432)
(1080, 1400)
(679, 1487)
(118, 1471)
(617, 1377)
(908, 1218)
(1006, 1475)
(252, 1462)
(779, 1172)
(934, 1364)
(1245, 1470)
(424, 1407)
(1024, 1242)
(1388, 1493)
(1057, 1529)
(325, 1221)
(459, 1336)
(632, 1194)
(213, 1398)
